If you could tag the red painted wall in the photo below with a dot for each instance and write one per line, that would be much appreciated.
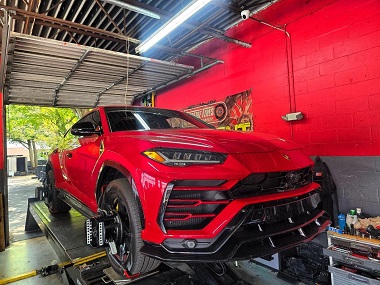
(336, 59)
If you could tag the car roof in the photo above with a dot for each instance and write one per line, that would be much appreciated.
(136, 108)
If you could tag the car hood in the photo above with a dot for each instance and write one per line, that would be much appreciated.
(215, 140)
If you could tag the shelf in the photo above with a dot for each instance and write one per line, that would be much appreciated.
(354, 252)
(356, 262)
(344, 277)
(357, 239)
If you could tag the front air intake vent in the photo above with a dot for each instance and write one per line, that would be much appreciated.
(191, 209)
(271, 182)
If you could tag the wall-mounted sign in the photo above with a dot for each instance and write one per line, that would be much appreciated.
(235, 112)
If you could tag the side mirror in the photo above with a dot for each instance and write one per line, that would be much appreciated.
(84, 129)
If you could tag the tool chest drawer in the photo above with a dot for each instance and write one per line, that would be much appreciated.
(354, 260)
(343, 277)
(349, 259)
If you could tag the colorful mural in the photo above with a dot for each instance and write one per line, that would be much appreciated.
(235, 112)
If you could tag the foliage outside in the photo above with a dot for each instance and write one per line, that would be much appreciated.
(39, 127)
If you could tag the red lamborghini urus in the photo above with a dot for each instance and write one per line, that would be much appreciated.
(162, 185)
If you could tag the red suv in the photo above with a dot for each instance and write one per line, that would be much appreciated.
(163, 185)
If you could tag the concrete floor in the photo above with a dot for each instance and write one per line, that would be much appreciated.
(30, 251)
(26, 256)
(27, 251)
(20, 188)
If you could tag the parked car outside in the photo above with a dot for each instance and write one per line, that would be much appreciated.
(161, 185)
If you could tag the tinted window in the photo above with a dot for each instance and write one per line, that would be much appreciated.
(126, 120)
(70, 141)
(93, 117)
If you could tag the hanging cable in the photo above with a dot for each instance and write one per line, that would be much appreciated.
(127, 79)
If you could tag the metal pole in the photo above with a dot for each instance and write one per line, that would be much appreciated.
(4, 222)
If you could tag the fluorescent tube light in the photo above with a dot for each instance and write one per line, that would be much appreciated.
(133, 8)
(173, 23)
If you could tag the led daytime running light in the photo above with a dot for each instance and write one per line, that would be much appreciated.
(184, 157)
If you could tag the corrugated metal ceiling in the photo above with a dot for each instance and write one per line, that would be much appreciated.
(53, 73)
(210, 22)
(37, 67)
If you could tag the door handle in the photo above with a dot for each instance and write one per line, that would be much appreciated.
(69, 155)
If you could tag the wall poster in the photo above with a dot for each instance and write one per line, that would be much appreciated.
(235, 112)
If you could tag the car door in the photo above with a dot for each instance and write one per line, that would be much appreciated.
(79, 161)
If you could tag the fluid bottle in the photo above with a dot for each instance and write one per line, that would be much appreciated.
(349, 218)
(361, 215)
(342, 222)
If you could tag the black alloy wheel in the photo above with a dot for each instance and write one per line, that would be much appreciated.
(124, 235)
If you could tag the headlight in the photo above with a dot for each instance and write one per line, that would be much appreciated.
(184, 157)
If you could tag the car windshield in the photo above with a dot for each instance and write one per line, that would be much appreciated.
(128, 120)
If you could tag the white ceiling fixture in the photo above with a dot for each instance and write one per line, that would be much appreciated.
(173, 23)
(133, 8)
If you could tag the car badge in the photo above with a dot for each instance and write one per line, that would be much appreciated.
(285, 156)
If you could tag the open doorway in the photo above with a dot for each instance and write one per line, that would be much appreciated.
(20, 188)
(32, 133)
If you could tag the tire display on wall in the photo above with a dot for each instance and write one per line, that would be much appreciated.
(220, 111)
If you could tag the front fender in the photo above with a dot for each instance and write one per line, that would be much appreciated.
(118, 162)
(120, 167)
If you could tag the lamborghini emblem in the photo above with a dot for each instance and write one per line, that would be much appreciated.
(285, 156)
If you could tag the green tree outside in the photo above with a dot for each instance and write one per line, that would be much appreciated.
(39, 127)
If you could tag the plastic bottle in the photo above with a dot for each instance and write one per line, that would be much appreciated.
(342, 222)
(354, 217)
(359, 212)
(361, 215)
(349, 219)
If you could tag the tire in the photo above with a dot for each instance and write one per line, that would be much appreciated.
(119, 197)
(55, 204)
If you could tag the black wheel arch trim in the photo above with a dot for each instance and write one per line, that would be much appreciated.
(127, 174)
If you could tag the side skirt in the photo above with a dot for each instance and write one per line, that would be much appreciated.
(75, 203)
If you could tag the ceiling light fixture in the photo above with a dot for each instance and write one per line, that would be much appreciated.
(173, 23)
(133, 8)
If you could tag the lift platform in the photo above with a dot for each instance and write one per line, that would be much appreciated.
(66, 233)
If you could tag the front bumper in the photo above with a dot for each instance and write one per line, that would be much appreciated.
(257, 230)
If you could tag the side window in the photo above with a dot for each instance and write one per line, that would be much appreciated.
(179, 123)
(123, 121)
(70, 141)
(93, 117)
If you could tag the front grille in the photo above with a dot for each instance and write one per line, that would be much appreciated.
(192, 204)
(187, 209)
(245, 237)
(270, 212)
(272, 182)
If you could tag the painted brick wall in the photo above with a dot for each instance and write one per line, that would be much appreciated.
(358, 182)
(336, 52)
(336, 59)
